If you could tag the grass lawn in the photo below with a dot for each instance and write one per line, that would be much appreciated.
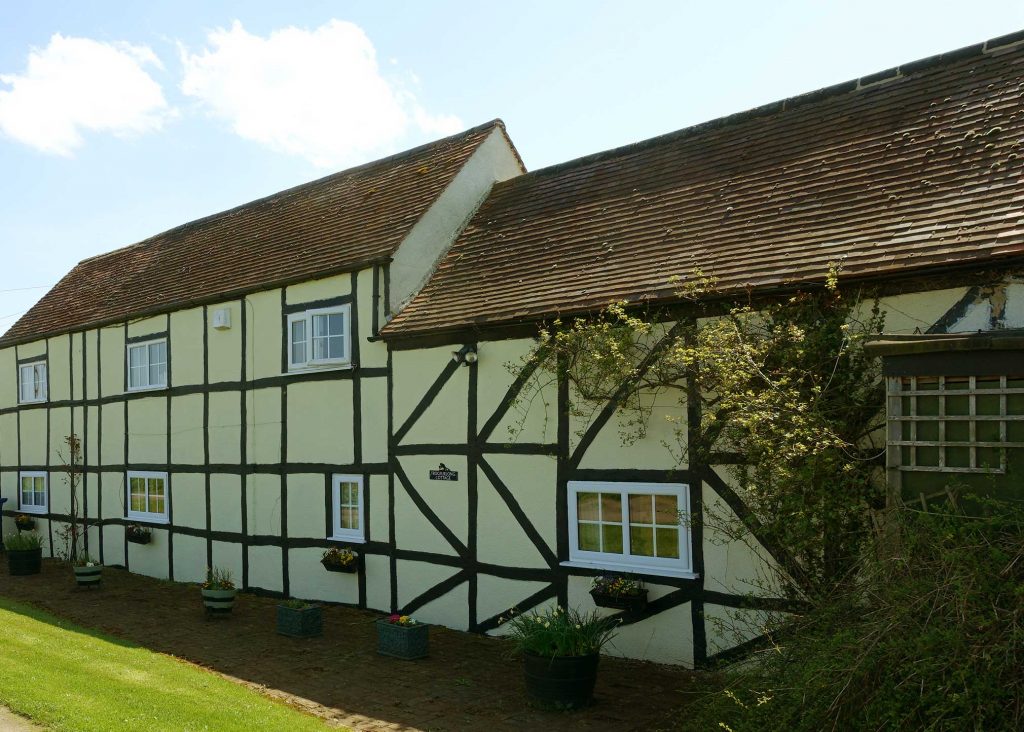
(70, 678)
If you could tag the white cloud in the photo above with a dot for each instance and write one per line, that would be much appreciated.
(319, 94)
(78, 84)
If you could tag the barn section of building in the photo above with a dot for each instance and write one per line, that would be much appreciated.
(290, 375)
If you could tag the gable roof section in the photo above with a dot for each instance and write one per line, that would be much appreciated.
(335, 224)
(912, 168)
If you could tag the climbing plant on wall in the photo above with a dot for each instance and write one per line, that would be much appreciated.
(780, 389)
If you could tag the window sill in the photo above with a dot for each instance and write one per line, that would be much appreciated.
(348, 539)
(34, 510)
(32, 401)
(148, 519)
(316, 369)
(138, 389)
(632, 569)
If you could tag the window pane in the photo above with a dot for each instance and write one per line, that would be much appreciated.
(586, 507)
(26, 492)
(349, 518)
(298, 339)
(641, 540)
(336, 347)
(590, 537)
(666, 509)
(668, 543)
(136, 356)
(612, 538)
(157, 374)
(641, 509)
(611, 507)
(320, 326)
(39, 382)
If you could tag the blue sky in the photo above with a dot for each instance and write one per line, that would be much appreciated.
(120, 120)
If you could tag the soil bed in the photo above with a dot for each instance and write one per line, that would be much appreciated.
(467, 683)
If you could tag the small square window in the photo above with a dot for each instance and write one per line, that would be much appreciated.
(32, 382)
(32, 492)
(147, 497)
(147, 365)
(347, 501)
(319, 338)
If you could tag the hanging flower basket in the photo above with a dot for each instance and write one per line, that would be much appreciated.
(24, 523)
(138, 534)
(619, 593)
(340, 560)
(402, 637)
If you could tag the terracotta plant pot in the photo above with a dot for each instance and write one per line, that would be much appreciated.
(561, 682)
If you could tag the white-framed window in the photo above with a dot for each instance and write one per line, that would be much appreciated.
(349, 522)
(32, 382)
(955, 424)
(630, 527)
(147, 365)
(32, 491)
(147, 496)
(319, 338)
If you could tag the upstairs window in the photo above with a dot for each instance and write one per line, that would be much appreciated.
(147, 497)
(147, 365)
(32, 382)
(955, 424)
(319, 338)
(347, 499)
(32, 494)
(638, 527)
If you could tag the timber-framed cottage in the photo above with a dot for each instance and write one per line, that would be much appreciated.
(297, 373)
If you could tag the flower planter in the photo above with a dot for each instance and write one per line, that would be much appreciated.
(139, 538)
(407, 642)
(562, 682)
(28, 525)
(21, 562)
(89, 576)
(350, 568)
(219, 602)
(306, 622)
(630, 603)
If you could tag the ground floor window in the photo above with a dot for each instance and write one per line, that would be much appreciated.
(147, 496)
(347, 500)
(630, 526)
(33, 492)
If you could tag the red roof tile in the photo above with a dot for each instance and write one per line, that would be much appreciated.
(916, 167)
(330, 225)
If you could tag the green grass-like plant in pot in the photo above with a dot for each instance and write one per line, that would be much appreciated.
(561, 648)
(218, 591)
(24, 553)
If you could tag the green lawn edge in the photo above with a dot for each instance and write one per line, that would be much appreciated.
(68, 677)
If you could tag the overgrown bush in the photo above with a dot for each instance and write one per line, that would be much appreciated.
(928, 635)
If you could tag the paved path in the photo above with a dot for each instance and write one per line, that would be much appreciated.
(11, 722)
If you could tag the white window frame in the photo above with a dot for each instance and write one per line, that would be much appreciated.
(322, 363)
(34, 508)
(147, 516)
(128, 364)
(32, 368)
(356, 536)
(625, 562)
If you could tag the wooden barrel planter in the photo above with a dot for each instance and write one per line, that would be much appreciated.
(219, 602)
(560, 682)
(300, 622)
(89, 576)
(22, 562)
(407, 642)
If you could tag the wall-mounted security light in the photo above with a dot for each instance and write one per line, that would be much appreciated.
(465, 355)
(222, 319)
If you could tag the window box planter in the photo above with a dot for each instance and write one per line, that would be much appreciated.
(24, 523)
(630, 603)
(138, 535)
(89, 576)
(218, 602)
(300, 622)
(407, 642)
(560, 682)
(23, 562)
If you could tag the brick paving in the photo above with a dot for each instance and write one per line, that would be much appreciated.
(468, 683)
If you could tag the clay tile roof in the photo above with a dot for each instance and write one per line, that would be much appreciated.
(330, 225)
(915, 167)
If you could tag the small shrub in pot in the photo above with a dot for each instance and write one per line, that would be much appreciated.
(402, 637)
